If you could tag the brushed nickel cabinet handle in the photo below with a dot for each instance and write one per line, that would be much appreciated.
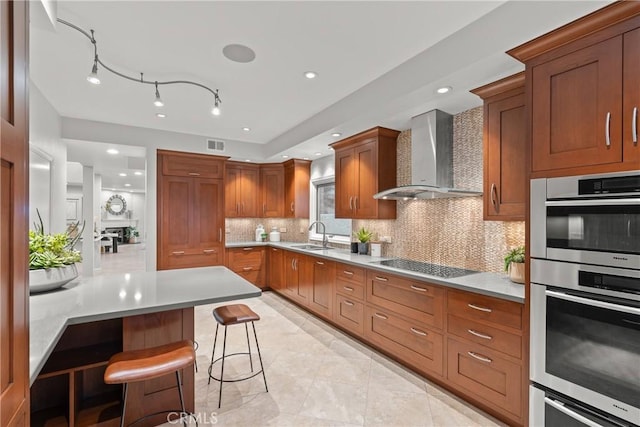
(274, 249)
(418, 288)
(319, 263)
(479, 335)
(292, 206)
(177, 253)
(220, 234)
(494, 196)
(418, 332)
(209, 251)
(349, 303)
(247, 249)
(194, 174)
(247, 268)
(382, 279)
(264, 209)
(350, 273)
(634, 126)
(477, 307)
(355, 202)
(348, 288)
(351, 203)
(293, 267)
(380, 316)
(479, 357)
(296, 264)
(607, 133)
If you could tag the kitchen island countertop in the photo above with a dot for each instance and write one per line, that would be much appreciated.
(486, 283)
(127, 294)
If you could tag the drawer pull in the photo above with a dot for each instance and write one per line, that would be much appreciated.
(349, 303)
(247, 249)
(477, 356)
(194, 174)
(382, 279)
(347, 272)
(178, 252)
(274, 249)
(319, 263)
(348, 288)
(380, 316)
(607, 128)
(418, 288)
(477, 307)
(209, 251)
(418, 332)
(479, 335)
(247, 268)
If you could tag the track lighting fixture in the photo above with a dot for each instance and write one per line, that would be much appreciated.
(158, 102)
(93, 77)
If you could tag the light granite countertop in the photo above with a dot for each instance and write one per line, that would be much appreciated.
(491, 284)
(120, 295)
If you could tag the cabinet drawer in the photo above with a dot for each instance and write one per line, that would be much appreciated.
(351, 274)
(485, 309)
(350, 289)
(239, 259)
(483, 373)
(409, 341)
(416, 300)
(191, 165)
(252, 276)
(483, 334)
(193, 258)
(349, 314)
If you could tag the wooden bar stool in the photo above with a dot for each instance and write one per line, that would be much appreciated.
(141, 365)
(235, 314)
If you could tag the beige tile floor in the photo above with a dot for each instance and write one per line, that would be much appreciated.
(317, 375)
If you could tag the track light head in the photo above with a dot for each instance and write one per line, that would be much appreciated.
(93, 77)
(216, 106)
(158, 102)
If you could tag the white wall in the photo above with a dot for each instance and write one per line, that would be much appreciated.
(45, 133)
(323, 167)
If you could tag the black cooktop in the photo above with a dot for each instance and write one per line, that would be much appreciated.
(426, 268)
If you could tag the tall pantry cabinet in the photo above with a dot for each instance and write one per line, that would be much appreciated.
(190, 210)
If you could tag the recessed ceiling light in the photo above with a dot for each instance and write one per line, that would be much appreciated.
(331, 148)
(284, 156)
(336, 134)
(248, 160)
(127, 185)
(137, 173)
(444, 89)
(238, 53)
(305, 158)
(112, 151)
(161, 115)
(122, 174)
(246, 129)
(310, 74)
(318, 154)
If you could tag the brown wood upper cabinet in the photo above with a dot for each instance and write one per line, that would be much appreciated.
(271, 191)
(190, 214)
(584, 92)
(296, 187)
(365, 165)
(504, 148)
(241, 190)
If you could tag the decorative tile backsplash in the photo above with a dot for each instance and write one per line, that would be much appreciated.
(440, 231)
(449, 231)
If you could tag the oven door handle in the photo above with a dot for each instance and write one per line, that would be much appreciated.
(602, 201)
(568, 412)
(594, 303)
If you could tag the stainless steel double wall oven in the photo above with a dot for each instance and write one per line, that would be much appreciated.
(585, 300)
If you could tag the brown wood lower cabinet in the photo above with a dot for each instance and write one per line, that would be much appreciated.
(275, 269)
(248, 262)
(407, 340)
(470, 343)
(486, 375)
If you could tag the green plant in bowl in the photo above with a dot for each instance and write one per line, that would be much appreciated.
(363, 235)
(53, 250)
(514, 264)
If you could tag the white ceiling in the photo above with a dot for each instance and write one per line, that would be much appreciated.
(379, 63)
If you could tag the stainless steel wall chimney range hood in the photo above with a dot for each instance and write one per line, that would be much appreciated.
(431, 161)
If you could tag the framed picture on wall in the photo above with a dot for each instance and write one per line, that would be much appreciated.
(74, 209)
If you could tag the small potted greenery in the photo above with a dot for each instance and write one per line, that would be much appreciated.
(52, 257)
(364, 236)
(132, 234)
(514, 264)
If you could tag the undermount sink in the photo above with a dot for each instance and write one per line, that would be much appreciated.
(310, 247)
